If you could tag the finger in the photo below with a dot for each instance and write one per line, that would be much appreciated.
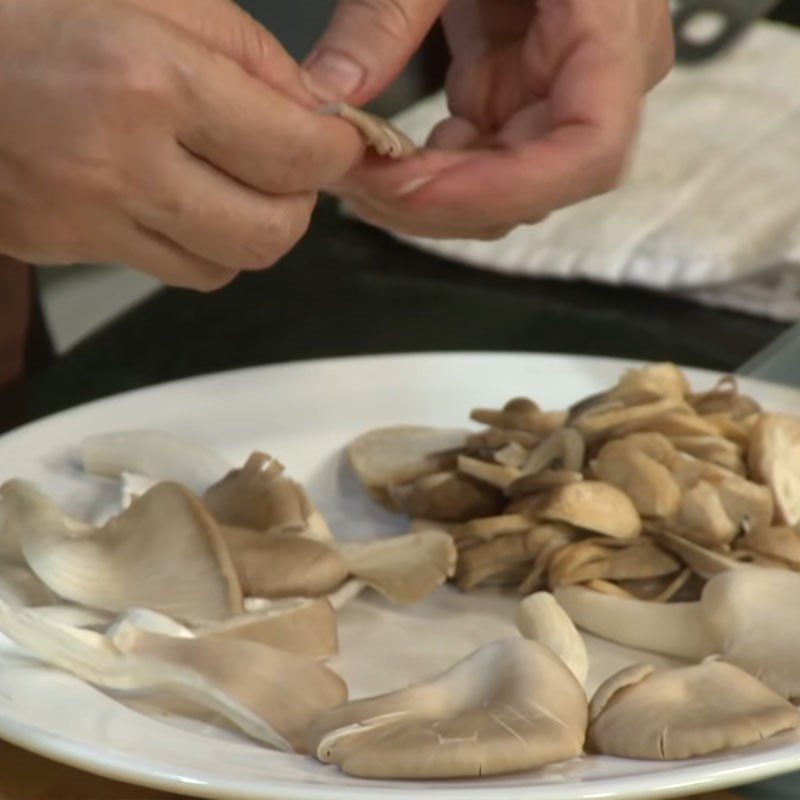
(224, 27)
(367, 44)
(258, 136)
(220, 220)
(150, 252)
(454, 133)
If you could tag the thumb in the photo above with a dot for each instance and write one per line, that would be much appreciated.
(366, 46)
(226, 28)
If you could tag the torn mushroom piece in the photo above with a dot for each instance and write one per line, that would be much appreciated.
(563, 449)
(270, 695)
(308, 628)
(498, 475)
(774, 459)
(510, 706)
(593, 506)
(781, 543)
(541, 619)
(684, 713)
(521, 414)
(725, 398)
(405, 569)
(156, 455)
(165, 552)
(381, 135)
(283, 565)
(396, 456)
(260, 497)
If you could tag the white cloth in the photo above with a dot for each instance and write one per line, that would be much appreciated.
(711, 206)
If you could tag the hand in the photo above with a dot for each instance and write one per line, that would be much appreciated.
(178, 138)
(544, 97)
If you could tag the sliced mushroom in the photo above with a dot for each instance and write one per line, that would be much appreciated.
(497, 475)
(713, 449)
(585, 561)
(271, 695)
(488, 528)
(594, 506)
(555, 537)
(628, 465)
(657, 380)
(165, 553)
(510, 706)
(705, 561)
(782, 543)
(564, 449)
(308, 629)
(618, 419)
(702, 517)
(511, 455)
(774, 459)
(383, 137)
(406, 569)
(283, 565)
(683, 713)
(494, 438)
(160, 456)
(541, 619)
(446, 497)
(521, 414)
(480, 563)
(725, 398)
(542, 482)
(396, 456)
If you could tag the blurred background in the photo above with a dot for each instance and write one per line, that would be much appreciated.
(79, 300)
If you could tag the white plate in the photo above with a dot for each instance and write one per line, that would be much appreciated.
(304, 414)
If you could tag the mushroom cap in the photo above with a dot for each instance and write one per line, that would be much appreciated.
(397, 455)
(594, 506)
(509, 706)
(165, 552)
(446, 497)
(774, 459)
(686, 712)
(752, 614)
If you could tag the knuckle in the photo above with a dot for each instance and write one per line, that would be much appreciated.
(273, 238)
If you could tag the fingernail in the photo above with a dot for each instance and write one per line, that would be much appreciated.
(333, 76)
(414, 185)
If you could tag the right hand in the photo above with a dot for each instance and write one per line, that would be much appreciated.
(177, 138)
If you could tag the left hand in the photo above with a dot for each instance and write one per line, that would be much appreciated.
(544, 95)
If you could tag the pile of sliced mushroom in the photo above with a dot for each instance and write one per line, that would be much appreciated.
(650, 515)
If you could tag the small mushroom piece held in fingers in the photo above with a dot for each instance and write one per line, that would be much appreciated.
(508, 707)
(383, 137)
(684, 713)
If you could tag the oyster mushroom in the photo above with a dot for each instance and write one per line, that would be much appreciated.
(618, 419)
(542, 481)
(563, 449)
(593, 506)
(683, 713)
(725, 398)
(774, 459)
(714, 449)
(488, 528)
(446, 497)
(521, 414)
(657, 380)
(541, 619)
(395, 456)
(743, 616)
(497, 475)
(383, 137)
(510, 706)
(270, 695)
(260, 497)
(160, 456)
(20, 586)
(511, 455)
(585, 561)
(406, 569)
(781, 542)
(283, 565)
(165, 553)
(629, 465)
(556, 536)
(307, 629)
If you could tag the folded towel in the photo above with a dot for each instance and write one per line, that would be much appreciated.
(710, 208)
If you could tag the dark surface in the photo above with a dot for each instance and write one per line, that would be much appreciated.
(348, 289)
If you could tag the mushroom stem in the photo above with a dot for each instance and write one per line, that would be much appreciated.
(674, 629)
